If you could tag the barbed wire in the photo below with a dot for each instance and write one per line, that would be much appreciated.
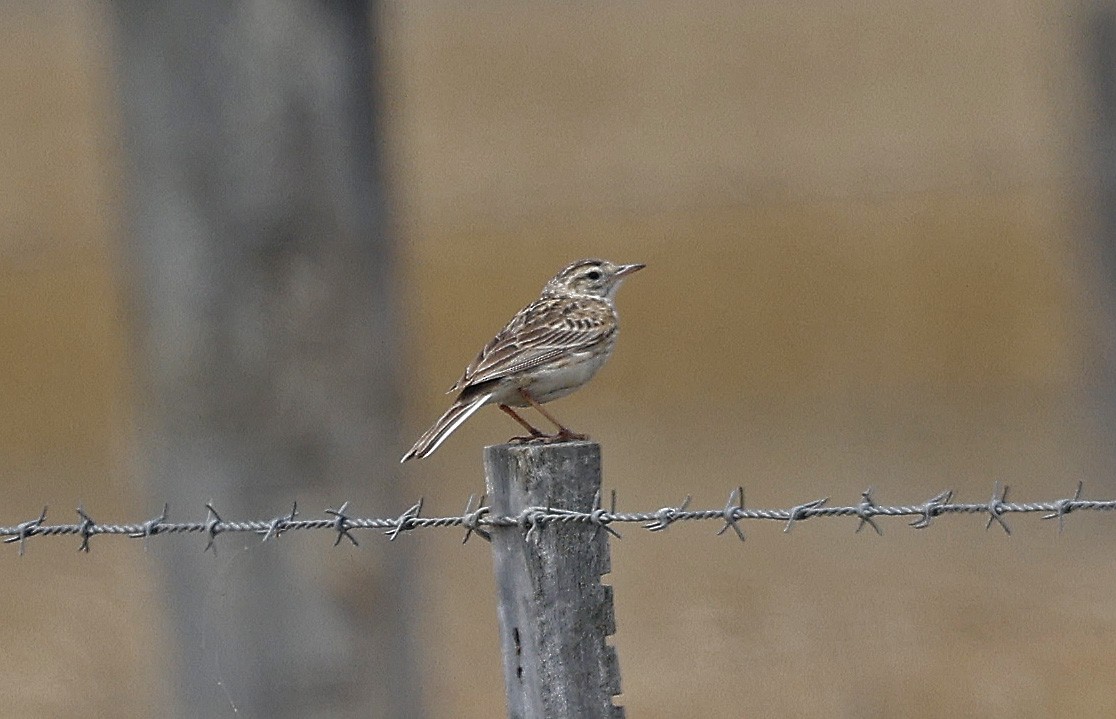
(478, 519)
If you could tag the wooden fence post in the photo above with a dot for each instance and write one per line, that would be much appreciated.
(554, 612)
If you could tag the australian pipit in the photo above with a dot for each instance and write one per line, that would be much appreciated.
(549, 349)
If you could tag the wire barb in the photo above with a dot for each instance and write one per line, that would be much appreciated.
(85, 529)
(668, 515)
(996, 507)
(803, 511)
(932, 508)
(213, 527)
(279, 524)
(341, 524)
(865, 511)
(405, 520)
(1062, 507)
(533, 518)
(27, 529)
(600, 518)
(734, 504)
(152, 526)
(471, 520)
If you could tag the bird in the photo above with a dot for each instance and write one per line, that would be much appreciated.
(549, 349)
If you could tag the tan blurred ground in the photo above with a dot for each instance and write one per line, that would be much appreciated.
(865, 225)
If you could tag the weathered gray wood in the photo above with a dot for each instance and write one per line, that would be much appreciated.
(554, 612)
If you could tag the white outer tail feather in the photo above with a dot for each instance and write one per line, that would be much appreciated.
(445, 426)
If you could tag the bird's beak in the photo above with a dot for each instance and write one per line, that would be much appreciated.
(626, 270)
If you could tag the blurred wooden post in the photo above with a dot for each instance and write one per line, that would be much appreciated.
(554, 612)
(261, 262)
(1100, 55)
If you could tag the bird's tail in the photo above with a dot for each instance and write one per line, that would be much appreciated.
(458, 412)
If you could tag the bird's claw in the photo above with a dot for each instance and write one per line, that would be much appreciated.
(539, 438)
(562, 436)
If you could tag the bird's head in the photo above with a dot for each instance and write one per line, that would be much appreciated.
(591, 277)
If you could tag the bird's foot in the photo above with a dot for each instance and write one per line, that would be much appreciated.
(563, 435)
(533, 438)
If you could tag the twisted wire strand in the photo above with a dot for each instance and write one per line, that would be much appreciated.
(479, 519)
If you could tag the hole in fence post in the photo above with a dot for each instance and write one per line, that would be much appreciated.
(518, 654)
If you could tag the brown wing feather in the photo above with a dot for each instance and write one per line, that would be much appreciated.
(539, 333)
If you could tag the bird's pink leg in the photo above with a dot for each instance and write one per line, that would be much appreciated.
(563, 432)
(535, 433)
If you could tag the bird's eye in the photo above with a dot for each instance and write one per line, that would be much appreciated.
(593, 275)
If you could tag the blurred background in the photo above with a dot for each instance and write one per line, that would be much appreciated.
(243, 251)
